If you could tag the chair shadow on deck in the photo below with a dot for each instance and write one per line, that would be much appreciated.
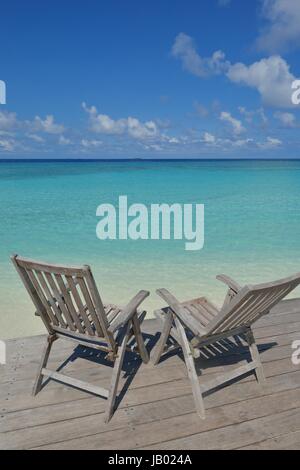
(226, 352)
(130, 366)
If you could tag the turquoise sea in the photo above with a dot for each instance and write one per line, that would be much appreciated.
(48, 212)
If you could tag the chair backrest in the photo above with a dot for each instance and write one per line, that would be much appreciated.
(66, 298)
(251, 303)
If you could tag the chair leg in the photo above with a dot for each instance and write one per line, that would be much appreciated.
(159, 348)
(45, 356)
(190, 365)
(260, 376)
(116, 375)
(139, 339)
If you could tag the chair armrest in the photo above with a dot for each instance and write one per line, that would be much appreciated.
(229, 282)
(181, 313)
(128, 311)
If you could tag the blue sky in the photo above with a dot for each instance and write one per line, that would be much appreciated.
(195, 79)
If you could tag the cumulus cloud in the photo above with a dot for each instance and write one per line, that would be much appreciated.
(236, 125)
(48, 125)
(104, 124)
(283, 25)
(271, 76)
(140, 130)
(7, 145)
(286, 119)
(209, 138)
(184, 49)
(64, 140)
(270, 143)
(36, 138)
(7, 120)
(91, 143)
(250, 115)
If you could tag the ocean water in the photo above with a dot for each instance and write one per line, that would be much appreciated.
(48, 212)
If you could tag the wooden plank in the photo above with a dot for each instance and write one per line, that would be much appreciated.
(216, 400)
(158, 409)
(289, 441)
(26, 373)
(237, 435)
(160, 432)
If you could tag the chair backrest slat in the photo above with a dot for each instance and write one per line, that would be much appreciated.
(68, 302)
(54, 311)
(66, 298)
(250, 303)
(32, 276)
(58, 296)
(80, 306)
(93, 298)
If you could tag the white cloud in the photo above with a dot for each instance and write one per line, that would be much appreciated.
(7, 120)
(242, 142)
(209, 138)
(36, 138)
(237, 126)
(156, 147)
(270, 143)
(102, 123)
(64, 140)
(283, 28)
(48, 125)
(184, 49)
(173, 140)
(286, 119)
(7, 145)
(250, 115)
(139, 130)
(91, 143)
(271, 77)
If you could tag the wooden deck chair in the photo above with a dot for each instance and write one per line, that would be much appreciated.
(198, 323)
(68, 302)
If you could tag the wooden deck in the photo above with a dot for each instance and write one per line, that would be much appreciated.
(157, 410)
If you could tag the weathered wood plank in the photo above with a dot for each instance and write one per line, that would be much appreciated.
(161, 432)
(87, 405)
(290, 441)
(237, 435)
(157, 410)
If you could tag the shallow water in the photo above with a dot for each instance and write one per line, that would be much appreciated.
(48, 212)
